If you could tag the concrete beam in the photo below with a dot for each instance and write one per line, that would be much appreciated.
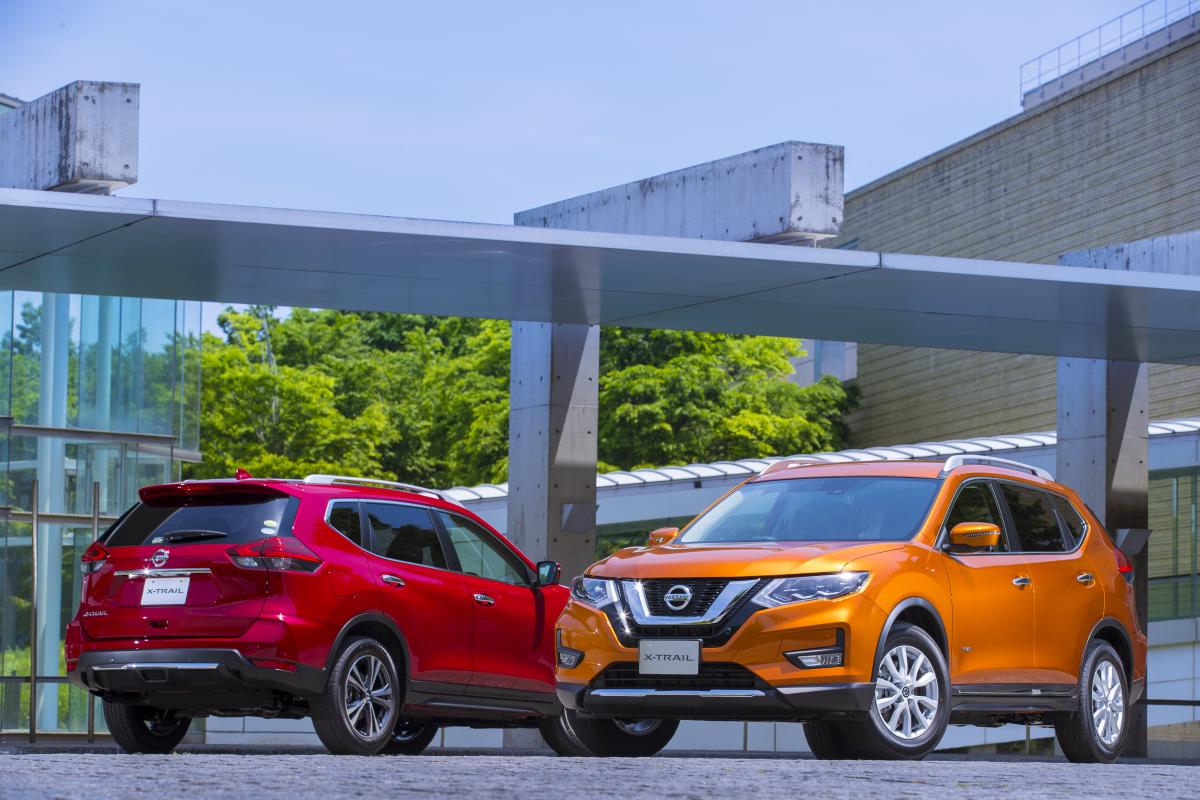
(788, 192)
(80, 138)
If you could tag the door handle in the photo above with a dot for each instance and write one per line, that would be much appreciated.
(1085, 577)
(1021, 581)
(484, 600)
(392, 580)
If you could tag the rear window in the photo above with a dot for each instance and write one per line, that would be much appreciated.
(867, 509)
(214, 520)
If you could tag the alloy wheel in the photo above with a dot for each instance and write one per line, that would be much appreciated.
(637, 727)
(907, 694)
(369, 701)
(1108, 703)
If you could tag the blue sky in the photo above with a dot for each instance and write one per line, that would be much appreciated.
(474, 110)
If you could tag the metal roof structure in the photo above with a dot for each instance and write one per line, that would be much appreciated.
(744, 468)
(56, 242)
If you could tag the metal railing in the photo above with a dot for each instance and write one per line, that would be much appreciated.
(1102, 40)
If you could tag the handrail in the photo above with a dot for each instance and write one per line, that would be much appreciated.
(1109, 37)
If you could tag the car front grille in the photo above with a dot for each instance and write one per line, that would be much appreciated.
(714, 634)
(704, 592)
(712, 676)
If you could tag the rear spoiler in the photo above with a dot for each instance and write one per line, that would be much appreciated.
(207, 490)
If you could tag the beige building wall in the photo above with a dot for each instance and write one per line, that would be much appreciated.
(1115, 160)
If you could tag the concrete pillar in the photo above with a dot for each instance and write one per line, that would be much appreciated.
(553, 415)
(789, 193)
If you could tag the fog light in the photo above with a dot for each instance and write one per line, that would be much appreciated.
(567, 658)
(816, 659)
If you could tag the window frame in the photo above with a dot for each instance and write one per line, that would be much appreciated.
(369, 532)
(1062, 529)
(530, 574)
(942, 543)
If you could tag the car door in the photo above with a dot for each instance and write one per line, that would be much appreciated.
(994, 613)
(419, 592)
(513, 631)
(1069, 600)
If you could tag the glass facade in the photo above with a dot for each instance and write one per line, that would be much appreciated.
(98, 396)
(1174, 544)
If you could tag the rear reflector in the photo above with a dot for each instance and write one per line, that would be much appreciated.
(271, 663)
(93, 558)
(276, 553)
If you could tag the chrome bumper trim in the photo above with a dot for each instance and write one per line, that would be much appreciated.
(702, 693)
(154, 665)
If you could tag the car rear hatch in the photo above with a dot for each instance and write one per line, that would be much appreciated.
(164, 570)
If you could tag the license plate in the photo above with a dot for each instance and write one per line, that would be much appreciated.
(661, 657)
(165, 591)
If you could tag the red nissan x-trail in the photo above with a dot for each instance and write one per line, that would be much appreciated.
(382, 611)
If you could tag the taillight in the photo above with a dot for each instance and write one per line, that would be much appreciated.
(1123, 565)
(93, 558)
(277, 553)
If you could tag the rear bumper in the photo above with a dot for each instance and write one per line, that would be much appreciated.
(189, 679)
(779, 704)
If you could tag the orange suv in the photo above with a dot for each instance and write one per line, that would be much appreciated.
(876, 602)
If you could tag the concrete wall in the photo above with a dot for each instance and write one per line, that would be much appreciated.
(80, 138)
(1112, 161)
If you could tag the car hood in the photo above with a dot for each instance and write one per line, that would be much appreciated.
(735, 560)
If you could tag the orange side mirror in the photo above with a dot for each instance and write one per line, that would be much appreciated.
(663, 536)
(975, 535)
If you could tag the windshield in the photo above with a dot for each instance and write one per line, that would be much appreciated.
(870, 509)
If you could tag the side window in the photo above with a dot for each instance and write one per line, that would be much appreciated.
(344, 518)
(1033, 516)
(404, 533)
(1070, 517)
(480, 554)
(976, 503)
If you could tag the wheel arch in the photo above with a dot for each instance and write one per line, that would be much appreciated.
(923, 614)
(384, 630)
(1112, 631)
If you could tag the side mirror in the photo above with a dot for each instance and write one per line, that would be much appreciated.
(547, 573)
(663, 536)
(975, 535)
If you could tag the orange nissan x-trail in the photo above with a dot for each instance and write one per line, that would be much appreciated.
(875, 602)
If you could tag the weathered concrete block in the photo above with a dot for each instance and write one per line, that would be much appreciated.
(80, 138)
(786, 192)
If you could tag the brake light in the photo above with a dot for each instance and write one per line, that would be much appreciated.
(93, 558)
(277, 553)
(1123, 565)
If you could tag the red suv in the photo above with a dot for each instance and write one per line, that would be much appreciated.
(382, 611)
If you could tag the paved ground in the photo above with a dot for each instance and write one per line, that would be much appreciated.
(213, 776)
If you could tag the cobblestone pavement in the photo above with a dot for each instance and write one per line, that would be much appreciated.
(263, 777)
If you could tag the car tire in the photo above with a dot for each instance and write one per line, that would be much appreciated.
(357, 712)
(912, 673)
(138, 729)
(1103, 699)
(570, 734)
(410, 738)
(827, 741)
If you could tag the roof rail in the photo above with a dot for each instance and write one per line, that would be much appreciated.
(790, 463)
(400, 487)
(954, 462)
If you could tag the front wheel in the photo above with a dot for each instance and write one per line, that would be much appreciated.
(911, 707)
(570, 734)
(410, 738)
(1096, 732)
(138, 729)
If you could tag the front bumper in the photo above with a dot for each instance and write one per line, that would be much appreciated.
(789, 703)
(189, 679)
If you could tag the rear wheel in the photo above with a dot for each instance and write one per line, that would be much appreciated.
(138, 729)
(410, 738)
(356, 713)
(1097, 731)
(570, 734)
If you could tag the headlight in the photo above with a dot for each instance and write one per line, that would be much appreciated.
(597, 592)
(782, 591)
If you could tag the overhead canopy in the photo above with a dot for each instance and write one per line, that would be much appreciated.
(194, 251)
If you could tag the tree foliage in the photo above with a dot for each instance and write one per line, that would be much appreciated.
(425, 399)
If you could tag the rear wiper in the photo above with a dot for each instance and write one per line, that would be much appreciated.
(189, 536)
